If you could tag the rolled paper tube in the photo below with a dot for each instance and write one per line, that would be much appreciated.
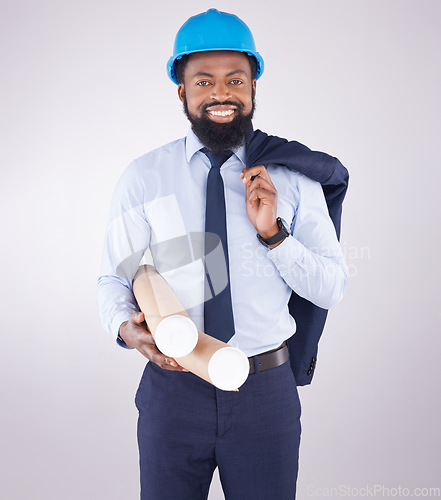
(174, 332)
(224, 366)
(211, 359)
(176, 335)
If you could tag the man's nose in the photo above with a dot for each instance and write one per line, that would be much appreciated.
(220, 91)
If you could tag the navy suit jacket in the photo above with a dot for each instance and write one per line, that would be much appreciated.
(264, 149)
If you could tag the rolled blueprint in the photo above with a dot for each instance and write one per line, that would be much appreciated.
(216, 362)
(174, 332)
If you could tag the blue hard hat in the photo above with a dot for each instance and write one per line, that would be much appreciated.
(213, 30)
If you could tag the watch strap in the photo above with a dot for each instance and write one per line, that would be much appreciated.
(281, 235)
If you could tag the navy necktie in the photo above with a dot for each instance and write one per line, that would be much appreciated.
(218, 311)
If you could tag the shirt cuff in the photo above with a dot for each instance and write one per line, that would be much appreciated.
(290, 251)
(117, 321)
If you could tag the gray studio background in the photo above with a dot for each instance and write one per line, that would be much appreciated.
(83, 92)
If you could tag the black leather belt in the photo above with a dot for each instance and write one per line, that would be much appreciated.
(270, 359)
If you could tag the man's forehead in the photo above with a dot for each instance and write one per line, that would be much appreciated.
(219, 59)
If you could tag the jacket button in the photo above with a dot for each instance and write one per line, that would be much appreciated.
(312, 366)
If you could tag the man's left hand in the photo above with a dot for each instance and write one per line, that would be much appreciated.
(261, 200)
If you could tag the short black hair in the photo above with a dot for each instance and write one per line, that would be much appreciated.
(180, 65)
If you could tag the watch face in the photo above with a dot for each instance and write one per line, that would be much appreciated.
(282, 225)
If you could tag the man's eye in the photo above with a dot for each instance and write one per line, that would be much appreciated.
(203, 83)
(236, 82)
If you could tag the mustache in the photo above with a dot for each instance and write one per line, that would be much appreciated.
(238, 105)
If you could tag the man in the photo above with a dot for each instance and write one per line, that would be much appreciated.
(164, 201)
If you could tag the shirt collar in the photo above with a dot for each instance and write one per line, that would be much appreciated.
(193, 145)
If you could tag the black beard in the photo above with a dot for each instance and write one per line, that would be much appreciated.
(218, 137)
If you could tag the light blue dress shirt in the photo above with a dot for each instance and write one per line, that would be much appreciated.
(158, 207)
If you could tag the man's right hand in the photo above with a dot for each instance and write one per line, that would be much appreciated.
(136, 334)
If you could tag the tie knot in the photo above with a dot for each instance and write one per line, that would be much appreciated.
(217, 159)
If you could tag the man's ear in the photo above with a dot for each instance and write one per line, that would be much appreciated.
(181, 92)
(253, 86)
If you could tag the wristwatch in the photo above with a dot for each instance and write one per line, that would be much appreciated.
(281, 235)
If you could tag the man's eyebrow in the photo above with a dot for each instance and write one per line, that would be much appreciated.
(235, 72)
(201, 73)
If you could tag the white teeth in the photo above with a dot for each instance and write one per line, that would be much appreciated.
(222, 113)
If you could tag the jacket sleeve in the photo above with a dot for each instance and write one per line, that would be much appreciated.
(333, 177)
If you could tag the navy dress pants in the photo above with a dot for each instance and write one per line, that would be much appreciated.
(187, 427)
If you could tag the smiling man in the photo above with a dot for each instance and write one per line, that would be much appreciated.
(280, 268)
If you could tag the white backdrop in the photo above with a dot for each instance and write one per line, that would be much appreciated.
(83, 92)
